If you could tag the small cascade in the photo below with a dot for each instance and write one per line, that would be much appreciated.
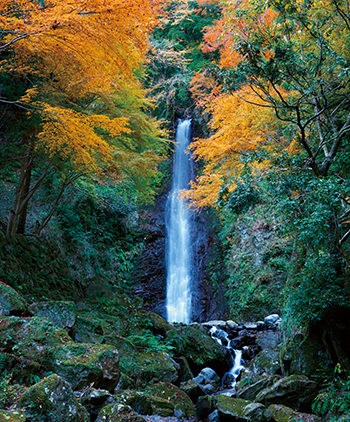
(222, 337)
(178, 224)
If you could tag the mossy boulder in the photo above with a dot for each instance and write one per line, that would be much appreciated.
(145, 404)
(149, 366)
(154, 322)
(51, 399)
(185, 372)
(11, 302)
(285, 414)
(183, 405)
(200, 349)
(12, 416)
(250, 391)
(61, 313)
(192, 389)
(230, 408)
(30, 337)
(296, 391)
(83, 364)
(119, 413)
(267, 362)
(301, 354)
(87, 330)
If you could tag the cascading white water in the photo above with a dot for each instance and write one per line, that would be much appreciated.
(179, 256)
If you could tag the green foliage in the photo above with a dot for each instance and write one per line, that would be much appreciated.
(147, 342)
(334, 401)
(98, 226)
(240, 199)
(176, 54)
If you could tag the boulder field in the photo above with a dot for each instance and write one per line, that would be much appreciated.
(106, 359)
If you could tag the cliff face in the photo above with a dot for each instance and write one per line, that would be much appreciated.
(150, 276)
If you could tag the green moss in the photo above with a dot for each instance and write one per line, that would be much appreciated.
(198, 347)
(12, 416)
(52, 399)
(81, 364)
(177, 397)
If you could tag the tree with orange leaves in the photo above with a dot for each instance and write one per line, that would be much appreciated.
(72, 65)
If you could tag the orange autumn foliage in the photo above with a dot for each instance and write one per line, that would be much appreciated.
(239, 127)
(239, 20)
(81, 55)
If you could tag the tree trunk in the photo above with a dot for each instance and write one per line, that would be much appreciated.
(22, 218)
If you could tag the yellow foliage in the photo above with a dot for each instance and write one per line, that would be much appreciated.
(239, 127)
(68, 134)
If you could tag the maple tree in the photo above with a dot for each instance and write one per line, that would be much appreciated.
(77, 63)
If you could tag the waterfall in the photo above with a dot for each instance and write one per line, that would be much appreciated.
(178, 224)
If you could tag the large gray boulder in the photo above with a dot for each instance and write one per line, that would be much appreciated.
(31, 337)
(250, 391)
(51, 399)
(301, 355)
(149, 366)
(119, 413)
(267, 362)
(233, 409)
(61, 313)
(285, 414)
(296, 391)
(83, 364)
(11, 302)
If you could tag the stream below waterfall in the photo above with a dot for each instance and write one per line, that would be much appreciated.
(230, 377)
(179, 256)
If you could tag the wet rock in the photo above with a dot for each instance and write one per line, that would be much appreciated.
(249, 352)
(192, 389)
(11, 302)
(227, 326)
(208, 389)
(83, 364)
(284, 414)
(119, 413)
(247, 377)
(149, 366)
(295, 391)
(228, 380)
(61, 314)
(247, 339)
(272, 320)
(250, 391)
(236, 343)
(31, 337)
(207, 376)
(267, 362)
(51, 399)
(251, 326)
(180, 400)
(214, 416)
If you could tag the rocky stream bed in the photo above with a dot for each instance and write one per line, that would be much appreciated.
(106, 359)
